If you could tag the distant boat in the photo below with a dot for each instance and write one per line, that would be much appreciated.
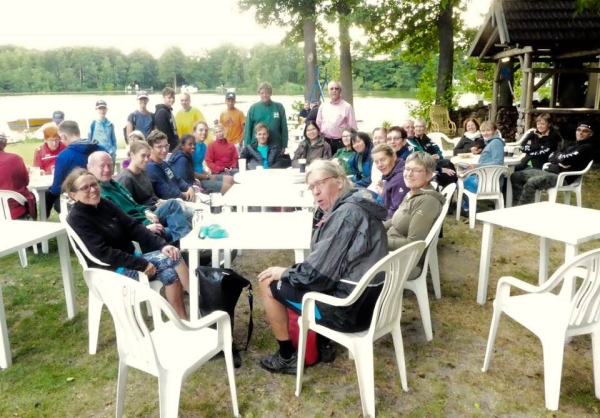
(188, 89)
(27, 124)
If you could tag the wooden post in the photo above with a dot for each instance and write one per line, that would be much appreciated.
(529, 97)
(525, 65)
(554, 91)
(494, 109)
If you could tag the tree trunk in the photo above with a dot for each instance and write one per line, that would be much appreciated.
(310, 56)
(345, 57)
(446, 63)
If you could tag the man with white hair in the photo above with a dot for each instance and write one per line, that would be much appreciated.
(168, 220)
(334, 116)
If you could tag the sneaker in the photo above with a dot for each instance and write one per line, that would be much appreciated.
(327, 353)
(277, 364)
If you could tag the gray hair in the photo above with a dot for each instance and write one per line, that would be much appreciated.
(424, 160)
(332, 169)
(266, 86)
(421, 121)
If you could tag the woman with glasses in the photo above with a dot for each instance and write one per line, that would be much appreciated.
(108, 232)
(45, 156)
(397, 139)
(420, 208)
(313, 147)
(342, 156)
(361, 162)
(347, 241)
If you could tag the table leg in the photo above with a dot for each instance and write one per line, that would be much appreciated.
(216, 259)
(544, 258)
(484, 263)
(194, 295)
(5, 356)
(227, 258)
(300, 255)
(43, 218)
(67, 274)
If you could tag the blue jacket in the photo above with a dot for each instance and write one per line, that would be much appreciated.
(165, 183)
(404, 152)
(361, 179)
(198, 157)
(75, 155)
(110, 145)
(183, 166)
(493, 153)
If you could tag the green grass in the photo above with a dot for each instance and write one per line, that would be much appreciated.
(53, 376)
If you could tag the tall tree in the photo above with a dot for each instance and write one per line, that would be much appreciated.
(170, 66)
(299, 16)
(422, 28)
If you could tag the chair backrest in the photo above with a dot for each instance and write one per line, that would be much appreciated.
(489, 179)
(438, 138)
(439, 114)
(434, 233)
(4, 208)
(583, 274)
(77, 244)
(578, 180)
(123, 298)
(396, 266)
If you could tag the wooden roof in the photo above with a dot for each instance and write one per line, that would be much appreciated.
(547, 25)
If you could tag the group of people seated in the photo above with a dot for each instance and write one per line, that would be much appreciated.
(373, 195)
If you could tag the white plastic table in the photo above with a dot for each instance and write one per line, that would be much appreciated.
(510, 162)
(270, 176)
(249, 231)
(16, 235)
(569, 224)
(39, 184)
(275, 195)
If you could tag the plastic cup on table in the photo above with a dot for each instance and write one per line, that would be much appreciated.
(302, 165)
(242, 165)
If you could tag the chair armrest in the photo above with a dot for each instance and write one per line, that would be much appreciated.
(330, 300)
(434, 126)
(216, 317)
(505, 283)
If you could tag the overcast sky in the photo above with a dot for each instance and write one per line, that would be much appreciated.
(130, 24)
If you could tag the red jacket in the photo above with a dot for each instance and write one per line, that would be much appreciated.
(14, 176)
(220, 154)
(45, 158)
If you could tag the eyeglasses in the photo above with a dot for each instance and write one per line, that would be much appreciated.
(394, 138)
(318, 184)
(414, 170)
(159, 147)
(88, 187)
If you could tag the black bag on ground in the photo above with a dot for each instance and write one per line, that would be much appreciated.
(220, 290)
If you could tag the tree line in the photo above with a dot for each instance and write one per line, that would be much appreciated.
(80, 69)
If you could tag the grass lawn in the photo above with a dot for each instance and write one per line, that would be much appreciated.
(53, 375)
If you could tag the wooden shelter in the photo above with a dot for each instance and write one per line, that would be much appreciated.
(547, 41)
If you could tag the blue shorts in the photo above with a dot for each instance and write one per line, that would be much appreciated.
(165, 268)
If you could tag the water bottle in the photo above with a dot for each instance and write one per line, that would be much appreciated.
(197, 219)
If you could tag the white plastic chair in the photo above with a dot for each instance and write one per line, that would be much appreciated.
(575, 310)
(386, 320)
(488, 188)
(438, 138)
(5, 214)
(95, 302)
(574, 187)
(418, 283)
(171, 351)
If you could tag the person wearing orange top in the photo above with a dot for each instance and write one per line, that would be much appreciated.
(233, 120)
(45, 156)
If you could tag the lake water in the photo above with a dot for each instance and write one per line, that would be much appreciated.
(372, 111)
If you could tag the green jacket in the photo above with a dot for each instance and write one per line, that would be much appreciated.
(272, 115)
(343, 155)
(120, 196)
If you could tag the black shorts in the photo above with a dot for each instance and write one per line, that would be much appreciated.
(291, 297)
(353, 318)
